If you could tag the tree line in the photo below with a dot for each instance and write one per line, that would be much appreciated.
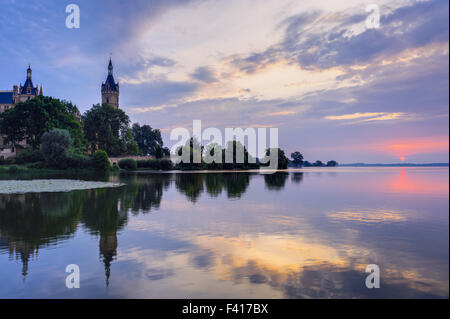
(298, 161)
(60, 137)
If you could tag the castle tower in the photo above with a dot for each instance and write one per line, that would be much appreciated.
(110, 89)
(27, 91)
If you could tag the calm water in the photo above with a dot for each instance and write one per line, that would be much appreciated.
(233, 235)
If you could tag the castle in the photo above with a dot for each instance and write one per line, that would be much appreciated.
(110, 89)
(9, 99)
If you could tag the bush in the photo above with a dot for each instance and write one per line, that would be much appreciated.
(80, 161)
(7, 161)
(29, 157)
(15, 169)
(141, 163)
(165, 164)
(151, 164)
(36, 165)
(55, 146)
(128, 164)
(100, 160)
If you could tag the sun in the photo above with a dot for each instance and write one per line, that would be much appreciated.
(402, 158)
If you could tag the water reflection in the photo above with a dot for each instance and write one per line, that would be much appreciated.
(276, 181)
(284, 239)
(297, 177)
(193, 185)
(32, 221)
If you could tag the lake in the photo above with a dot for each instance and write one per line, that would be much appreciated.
(300, 234)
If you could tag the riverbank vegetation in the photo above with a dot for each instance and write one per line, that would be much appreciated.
(49, 133)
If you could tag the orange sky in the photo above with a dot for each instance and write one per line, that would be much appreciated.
(413, 146)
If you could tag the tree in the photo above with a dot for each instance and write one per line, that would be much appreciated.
(55, 147)
(318, 163)
(212, 155)
(283, 161)
(238, 153)
(159, 152)
(332, 163)
(297, 158)
(194, 149)
(307, 164)
(129, 145)
(106, 127)
(100, 160)
(29, 120)
(149, 140)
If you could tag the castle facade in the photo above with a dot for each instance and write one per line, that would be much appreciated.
(9, 99)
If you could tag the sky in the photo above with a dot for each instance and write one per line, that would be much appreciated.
(333, 87)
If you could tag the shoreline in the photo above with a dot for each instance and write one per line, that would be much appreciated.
(23, 170)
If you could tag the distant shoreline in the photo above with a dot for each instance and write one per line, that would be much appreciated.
(396, 165)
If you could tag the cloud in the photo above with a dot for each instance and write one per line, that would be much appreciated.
(351, 116)
(288, 64)
(204, 74)
(281, 113)
(366, 117)
(385, 117)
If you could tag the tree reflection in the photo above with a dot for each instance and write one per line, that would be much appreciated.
(297, 178)
(236, 184)
(149, 191)
(214, 184)
(193, 185)
(276, 181)
(31, 221)
(190, 184)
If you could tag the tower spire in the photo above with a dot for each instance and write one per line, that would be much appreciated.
(110, 66)
(29, 72)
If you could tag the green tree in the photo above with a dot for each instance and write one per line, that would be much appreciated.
(29, 120)
(129, 145)
(238, 152)
(100, 160)
(149, 140)
(55, 147)
(332, 163)
(318, 163)
(107, 128)
(212, 155)
(307, 164)
(283, 161)
(194, 149)
(297, 158)
(159, 152)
